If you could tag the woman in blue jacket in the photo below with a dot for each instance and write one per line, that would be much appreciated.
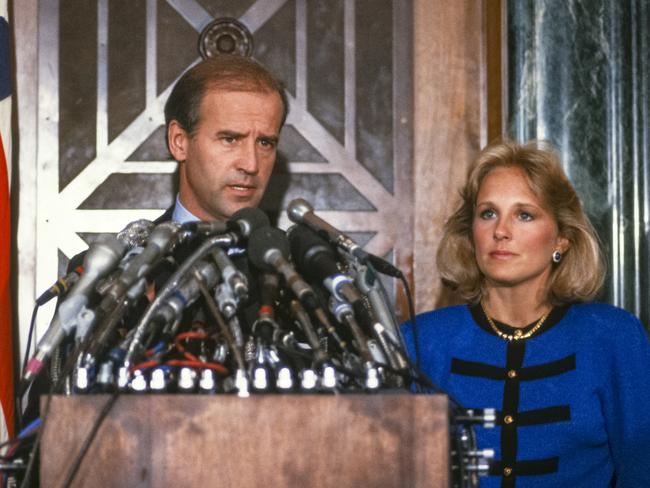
(570, 378)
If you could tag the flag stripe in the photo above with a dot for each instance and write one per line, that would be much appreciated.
(6, 341)
(6, 335)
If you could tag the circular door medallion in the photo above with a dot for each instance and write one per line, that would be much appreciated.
(225, 36)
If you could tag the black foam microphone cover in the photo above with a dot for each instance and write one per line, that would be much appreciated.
(313, 255)
(261, 241)
(247, 219)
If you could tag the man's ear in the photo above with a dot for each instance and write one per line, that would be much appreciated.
(177, 139)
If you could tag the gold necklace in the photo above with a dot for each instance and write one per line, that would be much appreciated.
(518, 334)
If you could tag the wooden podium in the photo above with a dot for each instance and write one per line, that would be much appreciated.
(265, 441)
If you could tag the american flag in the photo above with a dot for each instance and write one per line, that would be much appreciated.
(6, 343)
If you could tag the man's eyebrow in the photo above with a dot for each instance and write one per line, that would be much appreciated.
(268, 138)
(230, 133)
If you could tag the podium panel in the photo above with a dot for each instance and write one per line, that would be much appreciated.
(335, 441)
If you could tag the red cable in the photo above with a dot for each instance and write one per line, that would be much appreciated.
(145, 365)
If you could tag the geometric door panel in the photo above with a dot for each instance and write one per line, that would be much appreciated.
(105, 69)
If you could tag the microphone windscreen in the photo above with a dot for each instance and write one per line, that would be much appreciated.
(261, 241)
(248, 219)
(312, 254)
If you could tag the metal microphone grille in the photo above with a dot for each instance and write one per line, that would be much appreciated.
(297, 209)
(136, 233)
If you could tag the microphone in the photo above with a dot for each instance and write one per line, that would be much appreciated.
(168, 308)
(162, 239)
(242, 222)
(136, 233)
(61, 287)
(268, 250)
(317, 261)
(100, 259)
(233, 278)
(270, 285)
(187, 292)
(302, 319)
(265, 325)
(301, 212)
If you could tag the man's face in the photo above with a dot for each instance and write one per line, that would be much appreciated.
(226, 164)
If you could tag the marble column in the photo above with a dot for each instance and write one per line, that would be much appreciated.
(579, 77)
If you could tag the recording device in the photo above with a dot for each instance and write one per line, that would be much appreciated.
(209, 272)
(162, 240)
(133, 235)
(242, 223)
(318, 263)
(301, 212)
(268, 249)
(187, 292)
(61, 287)
(265, 325)
(102, 258)
(233, 278)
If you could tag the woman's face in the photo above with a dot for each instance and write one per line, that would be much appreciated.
(514, 236)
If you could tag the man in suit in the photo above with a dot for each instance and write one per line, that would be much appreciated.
(223, 119)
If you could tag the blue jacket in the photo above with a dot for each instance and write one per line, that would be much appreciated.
(573, 400)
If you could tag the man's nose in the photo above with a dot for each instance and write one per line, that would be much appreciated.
(249, 158)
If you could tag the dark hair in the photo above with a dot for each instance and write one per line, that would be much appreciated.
(225, 72)
(579, 275)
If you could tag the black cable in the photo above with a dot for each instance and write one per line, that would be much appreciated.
(414, 327)
(32, 455)
(17, 400)
(91, 436)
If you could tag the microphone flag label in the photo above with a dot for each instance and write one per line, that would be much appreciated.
(6, 341)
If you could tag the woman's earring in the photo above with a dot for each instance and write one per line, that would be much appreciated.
(557, 256)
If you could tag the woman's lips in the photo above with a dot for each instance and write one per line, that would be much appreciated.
(502, 254)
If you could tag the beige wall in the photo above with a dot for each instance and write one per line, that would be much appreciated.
(451, 122)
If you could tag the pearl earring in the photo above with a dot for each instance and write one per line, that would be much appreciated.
(557, 256)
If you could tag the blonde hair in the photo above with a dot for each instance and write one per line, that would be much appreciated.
(581, 272)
